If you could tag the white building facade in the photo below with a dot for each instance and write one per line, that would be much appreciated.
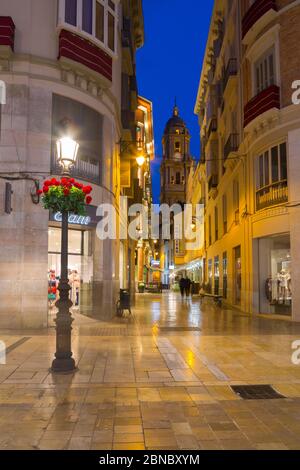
(59, 60)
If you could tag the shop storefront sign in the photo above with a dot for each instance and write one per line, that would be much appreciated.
(88, 220)
(155, 263)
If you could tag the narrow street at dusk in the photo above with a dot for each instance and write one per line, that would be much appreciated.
(149, 232)
(160, 381)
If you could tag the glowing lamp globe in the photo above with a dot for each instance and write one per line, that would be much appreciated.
(67, 150)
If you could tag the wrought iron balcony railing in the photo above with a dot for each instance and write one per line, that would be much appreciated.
(231, 145)
(213, 182)
(84, 170)
(213, 127)
(231, 71)
(272, 195)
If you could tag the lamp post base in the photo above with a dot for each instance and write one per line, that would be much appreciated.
(63, 365)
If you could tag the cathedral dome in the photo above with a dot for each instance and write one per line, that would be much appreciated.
(175, 122)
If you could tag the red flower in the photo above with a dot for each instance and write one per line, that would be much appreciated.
(64, 181)
(45, 189)
(47, 183)
(87, 189)
(88, 200)
(39, 192)
(54, 182)
(72, 180)
(78, 185)
(66, 192)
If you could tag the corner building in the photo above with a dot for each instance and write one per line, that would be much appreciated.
(61, 59)
(250, 135)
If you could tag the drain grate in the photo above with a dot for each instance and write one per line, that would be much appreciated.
(256, 392)
(179, 328)
(102, 331)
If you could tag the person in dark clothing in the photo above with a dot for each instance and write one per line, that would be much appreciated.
(188, 284)
(182, 286)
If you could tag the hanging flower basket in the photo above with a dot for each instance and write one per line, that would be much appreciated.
(66, 195)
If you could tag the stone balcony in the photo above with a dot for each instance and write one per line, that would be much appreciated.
(257, 17)
(7, 36)
(266, 100)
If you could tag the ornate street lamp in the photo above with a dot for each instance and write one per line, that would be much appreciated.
(140, 160)
(67, 150)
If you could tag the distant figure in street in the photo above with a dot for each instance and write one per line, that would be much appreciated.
(188, 284)
(182, 285)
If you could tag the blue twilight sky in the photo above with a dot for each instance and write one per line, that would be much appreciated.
(170, 63)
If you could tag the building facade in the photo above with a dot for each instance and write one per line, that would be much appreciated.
(250, 137)
(174, 173)
(65, 59)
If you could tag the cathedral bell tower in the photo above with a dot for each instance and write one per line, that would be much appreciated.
(174, 172)
(177, 161)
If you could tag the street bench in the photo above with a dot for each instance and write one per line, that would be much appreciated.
(153, 289)
(216, 298)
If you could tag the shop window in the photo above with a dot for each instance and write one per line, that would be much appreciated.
(80, 264)
(95, 18)
(275, 278)
(210, 276)
(216, 275)
(88, 125)
(265, 71)
(237, 275)
(225, 274)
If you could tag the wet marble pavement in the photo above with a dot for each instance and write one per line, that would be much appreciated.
(158, 381)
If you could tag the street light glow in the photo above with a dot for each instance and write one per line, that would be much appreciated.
(67, 151)
(140, 160)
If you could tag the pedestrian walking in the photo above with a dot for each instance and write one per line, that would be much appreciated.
(182, 285)
(187, 283)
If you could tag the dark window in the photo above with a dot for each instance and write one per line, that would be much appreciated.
(266, 170)
(274, 164)
(99, 21)
(87, 125)
(71, 12)
(283, 162)
(178, 178)
(111, 31)
(87, 16)
(209, 230)
(236, 195)
(216, 224)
